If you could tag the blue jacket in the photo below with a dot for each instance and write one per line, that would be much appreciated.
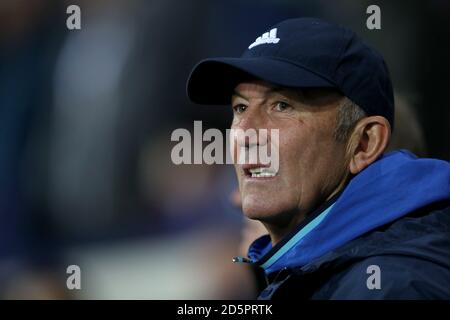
(385, 236)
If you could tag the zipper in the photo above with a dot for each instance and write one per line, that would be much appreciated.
(242, 260)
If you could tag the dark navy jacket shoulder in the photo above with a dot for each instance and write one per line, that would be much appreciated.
(412, 254)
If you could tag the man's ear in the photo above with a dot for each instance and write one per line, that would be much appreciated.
(368, 141)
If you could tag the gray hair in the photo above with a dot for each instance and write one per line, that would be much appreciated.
(349, 114)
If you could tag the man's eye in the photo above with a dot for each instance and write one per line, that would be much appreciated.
(240, 108)
(282, 106)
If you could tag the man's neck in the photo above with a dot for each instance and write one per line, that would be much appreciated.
(278, 232)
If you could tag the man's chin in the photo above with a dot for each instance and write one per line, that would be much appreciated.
(277, 211)
(259, 209)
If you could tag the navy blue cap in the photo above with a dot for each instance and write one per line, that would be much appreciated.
(301, 53)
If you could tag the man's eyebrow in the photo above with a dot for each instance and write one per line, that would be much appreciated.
(237, 93)
(269, 91)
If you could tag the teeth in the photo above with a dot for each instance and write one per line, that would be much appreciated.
(262, 172)
(261, 175)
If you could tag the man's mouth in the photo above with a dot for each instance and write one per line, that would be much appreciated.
(255, 171)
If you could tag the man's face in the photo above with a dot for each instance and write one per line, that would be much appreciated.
(311, 162)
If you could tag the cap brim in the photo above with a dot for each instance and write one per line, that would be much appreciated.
(212, 81)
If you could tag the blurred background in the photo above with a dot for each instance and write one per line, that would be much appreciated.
(85, 122)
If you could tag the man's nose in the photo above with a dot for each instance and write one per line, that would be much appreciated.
(251, 123)
(250, 119)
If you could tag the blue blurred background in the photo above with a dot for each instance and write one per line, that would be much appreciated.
(85, 122)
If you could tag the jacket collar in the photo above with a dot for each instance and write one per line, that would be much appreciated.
(265, 256)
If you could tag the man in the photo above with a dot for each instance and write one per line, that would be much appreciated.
(345, 220)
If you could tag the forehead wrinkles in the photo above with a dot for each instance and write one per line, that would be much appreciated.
(258, 91)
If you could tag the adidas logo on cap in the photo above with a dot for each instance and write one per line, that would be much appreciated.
(268, 37)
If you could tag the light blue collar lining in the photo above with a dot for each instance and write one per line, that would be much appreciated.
(296, 238)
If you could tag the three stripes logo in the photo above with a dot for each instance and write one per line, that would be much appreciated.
(268, 37)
